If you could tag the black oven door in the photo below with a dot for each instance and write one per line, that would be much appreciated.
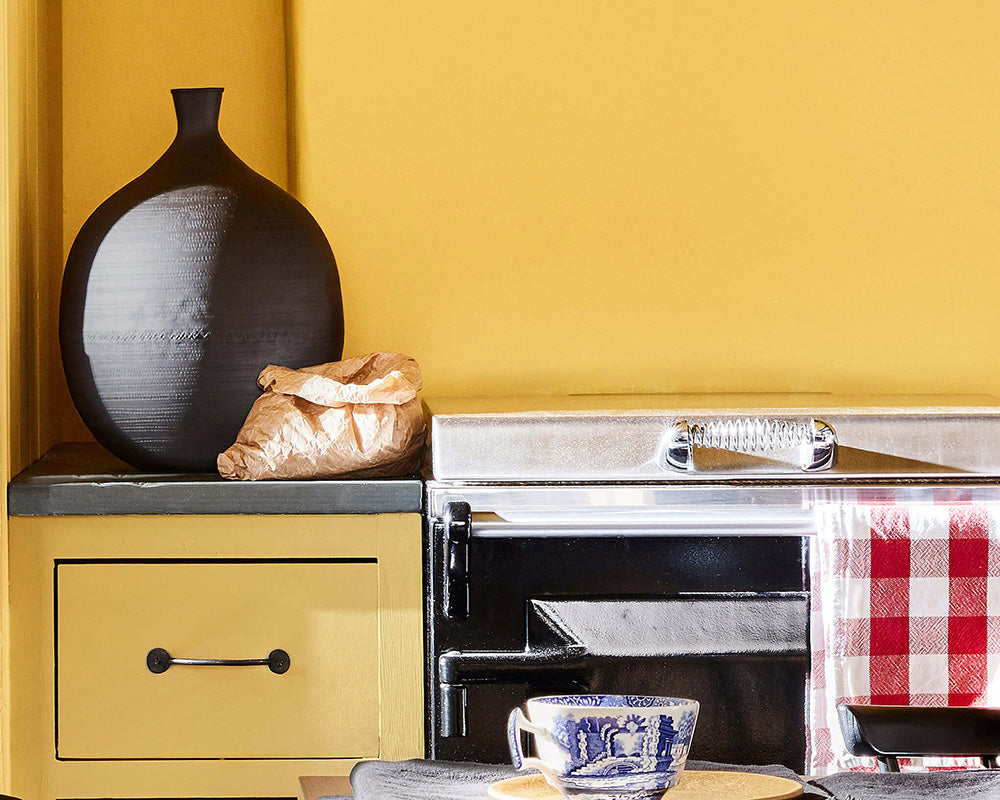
(720, 619)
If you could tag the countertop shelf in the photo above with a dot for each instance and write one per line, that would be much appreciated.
(84, 479)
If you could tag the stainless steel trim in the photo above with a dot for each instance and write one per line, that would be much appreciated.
(744, 508)
(601, 447)
(691, 525)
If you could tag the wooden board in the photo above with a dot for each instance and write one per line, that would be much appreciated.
(694, 785)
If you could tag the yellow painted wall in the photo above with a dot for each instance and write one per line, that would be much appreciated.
(31, 186)
(120, 58)
(29, 246)
(576, 196)
(660, 195)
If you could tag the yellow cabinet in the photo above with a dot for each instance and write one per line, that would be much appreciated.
(110, 616)
(91, 596)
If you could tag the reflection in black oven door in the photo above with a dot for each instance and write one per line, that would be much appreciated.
(721, 619)
(750, 712)
(743, 658)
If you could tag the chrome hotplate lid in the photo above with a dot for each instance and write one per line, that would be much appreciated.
(640, 438)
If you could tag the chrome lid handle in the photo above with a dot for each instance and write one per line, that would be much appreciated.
(824, 447)
(815, 439)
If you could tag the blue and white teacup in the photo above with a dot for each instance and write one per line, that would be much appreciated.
(606, 746)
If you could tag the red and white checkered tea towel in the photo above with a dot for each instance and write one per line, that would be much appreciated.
(906, 611)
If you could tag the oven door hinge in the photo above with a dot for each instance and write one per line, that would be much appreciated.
(550, 666)
(457, 522)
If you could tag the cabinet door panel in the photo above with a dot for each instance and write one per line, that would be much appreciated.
(110, 615)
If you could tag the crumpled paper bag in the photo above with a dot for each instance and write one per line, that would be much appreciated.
(357, 417)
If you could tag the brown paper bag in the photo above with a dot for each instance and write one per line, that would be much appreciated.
(357, 417)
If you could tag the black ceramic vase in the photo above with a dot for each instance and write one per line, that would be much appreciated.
(180, 288)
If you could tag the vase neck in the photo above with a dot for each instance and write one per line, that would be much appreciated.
(197, 112)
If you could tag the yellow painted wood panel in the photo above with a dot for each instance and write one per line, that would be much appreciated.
(659, 195)
(401, 646)
(204, 536)
(109, 616)
(37, 543)
(8, 217)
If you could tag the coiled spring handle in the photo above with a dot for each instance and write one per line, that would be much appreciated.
(815, 439)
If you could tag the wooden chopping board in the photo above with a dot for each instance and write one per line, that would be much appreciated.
(693, 785)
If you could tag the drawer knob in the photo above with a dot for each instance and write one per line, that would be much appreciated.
(159, 661)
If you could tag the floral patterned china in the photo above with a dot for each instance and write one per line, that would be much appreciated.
(606, 747)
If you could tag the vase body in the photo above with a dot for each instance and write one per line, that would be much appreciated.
(180, 288)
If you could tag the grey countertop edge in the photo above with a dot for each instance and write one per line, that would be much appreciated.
(83, 480)
(204, 497)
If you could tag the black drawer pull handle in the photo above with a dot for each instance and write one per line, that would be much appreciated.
(159, 660)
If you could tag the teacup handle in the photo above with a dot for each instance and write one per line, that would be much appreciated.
(516, 723)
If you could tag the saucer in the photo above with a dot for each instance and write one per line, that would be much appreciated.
(694, 785)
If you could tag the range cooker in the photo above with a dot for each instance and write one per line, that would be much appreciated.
(659, 545)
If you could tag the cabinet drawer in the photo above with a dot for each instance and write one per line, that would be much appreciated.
(110, 615)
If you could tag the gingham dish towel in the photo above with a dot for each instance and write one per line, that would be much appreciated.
(905, 611)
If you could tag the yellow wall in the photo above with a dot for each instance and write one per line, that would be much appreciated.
(573, 195)
(31, 187)
(29, 249)
(120, 58)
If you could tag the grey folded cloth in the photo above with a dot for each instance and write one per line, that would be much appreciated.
(972, 785)
(425, 780)
(446, 780)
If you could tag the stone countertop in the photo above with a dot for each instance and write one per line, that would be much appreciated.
(83, 478)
